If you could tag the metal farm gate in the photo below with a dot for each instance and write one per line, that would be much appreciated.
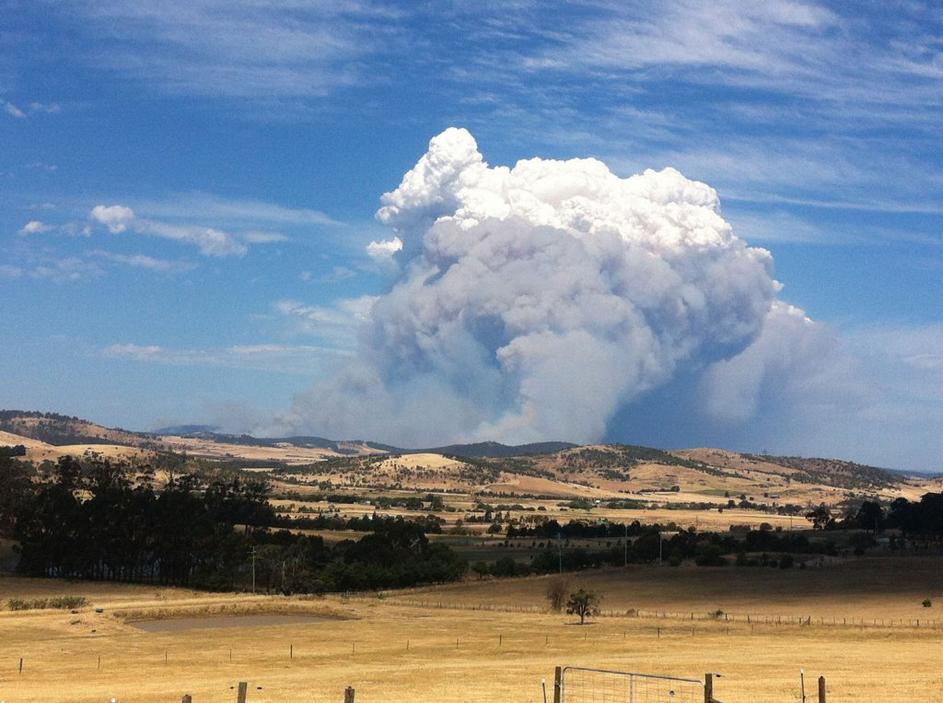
(583, 685)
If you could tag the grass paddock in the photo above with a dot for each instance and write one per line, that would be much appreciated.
(394, 652)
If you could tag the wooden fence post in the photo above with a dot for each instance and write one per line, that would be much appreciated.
(349, 694)
(821, 689)
(243, 692)
(708, 688)
(558, 685)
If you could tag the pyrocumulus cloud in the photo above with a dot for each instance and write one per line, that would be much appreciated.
(536, 301)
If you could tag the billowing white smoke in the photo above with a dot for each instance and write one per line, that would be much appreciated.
(535, 301)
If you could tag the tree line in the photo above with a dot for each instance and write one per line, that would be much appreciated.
(914, 518)
(647, 545)
(429, 524)
(102, 520)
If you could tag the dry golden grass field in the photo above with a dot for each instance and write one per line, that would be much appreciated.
(396, 652)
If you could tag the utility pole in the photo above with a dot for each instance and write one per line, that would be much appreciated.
(560, 553)
(253, 570)
(625, 545)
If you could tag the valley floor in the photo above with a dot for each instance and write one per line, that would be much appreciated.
(393, 649)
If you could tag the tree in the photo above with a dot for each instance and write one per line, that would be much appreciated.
(556, 593)
(820, 517)
(504, 567)
(583, 603)
(870, 516)
(16, 487)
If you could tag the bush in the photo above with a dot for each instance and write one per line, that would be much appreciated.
(20, 604)
(556, 593)
(58, 603)
(927, 603)
(505, 566)
(710, 555)
(66, 602)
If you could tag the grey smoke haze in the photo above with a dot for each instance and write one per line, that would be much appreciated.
(544, 300)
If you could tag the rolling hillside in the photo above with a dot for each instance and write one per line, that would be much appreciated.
(701, 477)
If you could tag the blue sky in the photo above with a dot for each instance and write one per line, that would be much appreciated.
(238, 151)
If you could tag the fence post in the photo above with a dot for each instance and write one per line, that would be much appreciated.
(243, 692)
(349, 695)
(821, 689)
(708, 688)
(558, 685)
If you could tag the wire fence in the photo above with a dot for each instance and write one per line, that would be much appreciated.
(691, 616)
(584, 685)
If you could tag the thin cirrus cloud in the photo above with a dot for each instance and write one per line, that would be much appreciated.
(237, 49)
(143, 261)
(237, 224)
(21, 112)
(61, 269)
(610, 77)
(783, 46)
(280, 358)
(234, 212)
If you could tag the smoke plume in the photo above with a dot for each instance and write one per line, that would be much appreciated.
(535, 302)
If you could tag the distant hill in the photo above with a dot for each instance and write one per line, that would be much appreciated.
(496, 450)
(608, 472)
(819, 470)
(57, 429)
(184, 430)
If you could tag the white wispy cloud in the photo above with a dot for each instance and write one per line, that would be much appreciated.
(210, 241)
(218, 226)
(232, 212)
(42, 166)
(115, 217)
(787, 47)
(336, 274)
(338, 323)
(282, 358)
(260, 237)
(144, 261)
(31, 108)
(258, 49)
(65, 269)
(13, 111)
(34, 227)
